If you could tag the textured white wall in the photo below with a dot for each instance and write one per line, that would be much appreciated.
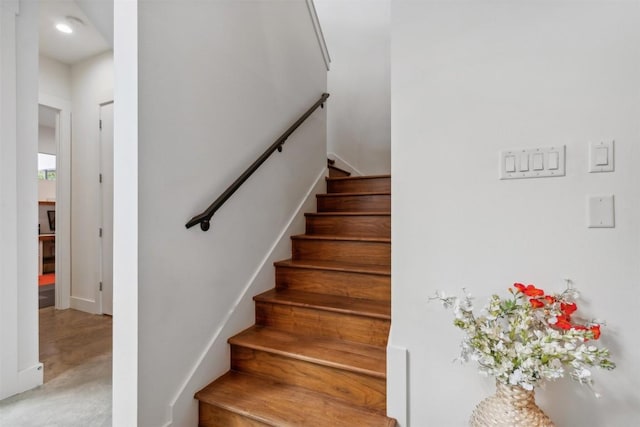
(91, 84)
(213, 95)
(359, 119)
(471, 78)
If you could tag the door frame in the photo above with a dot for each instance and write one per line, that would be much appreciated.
(101, 213)
(63, 198)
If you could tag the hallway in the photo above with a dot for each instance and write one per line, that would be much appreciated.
(75, 348)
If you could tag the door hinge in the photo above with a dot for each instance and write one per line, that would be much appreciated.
(100, 232)
(101, 286)
(100, 124)
(100, 178)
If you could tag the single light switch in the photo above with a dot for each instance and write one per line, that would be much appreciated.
(538, 162)
(600, 212)
(510, 163)
(601, 156)
(524, 162)
(554, 159)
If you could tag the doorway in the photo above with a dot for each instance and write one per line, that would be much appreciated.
(48, 125)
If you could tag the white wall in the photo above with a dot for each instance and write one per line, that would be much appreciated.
(91, 85)
(19, 366)
(471, 78)
(359, 119)
(213, 95)
(54, 78)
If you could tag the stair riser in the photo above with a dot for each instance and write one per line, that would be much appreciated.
(375, 253)
(354, 203)
(355, 388)
(382, 185)
(349, 327)
(348, 284)
(336, 172)
(352, 226)
(214, 416)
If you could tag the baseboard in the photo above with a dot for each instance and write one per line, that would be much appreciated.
(343, 164)
(397, 383)
(83, 304)
(31, 377)
(183, 405)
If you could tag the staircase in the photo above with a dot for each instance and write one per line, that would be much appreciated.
(317, 353)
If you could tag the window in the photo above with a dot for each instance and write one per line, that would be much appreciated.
(46, 167)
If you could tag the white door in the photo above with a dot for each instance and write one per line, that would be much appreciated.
(106, 179)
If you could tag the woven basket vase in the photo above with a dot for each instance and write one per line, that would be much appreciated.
(511, 406)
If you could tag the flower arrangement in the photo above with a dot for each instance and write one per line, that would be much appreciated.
(529, 337)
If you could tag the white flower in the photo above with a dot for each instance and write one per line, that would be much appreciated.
(522, 345)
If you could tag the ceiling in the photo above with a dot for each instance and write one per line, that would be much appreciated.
(83, 43)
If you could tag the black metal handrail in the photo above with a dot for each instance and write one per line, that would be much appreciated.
(204, 219)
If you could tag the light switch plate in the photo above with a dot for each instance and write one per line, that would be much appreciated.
(532, 162)
(600, 211)
(601, 156)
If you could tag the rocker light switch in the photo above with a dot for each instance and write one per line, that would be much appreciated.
(601, 156)
(600, 212)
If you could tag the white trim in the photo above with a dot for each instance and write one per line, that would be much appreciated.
(343, 164)
(125, 214)
(319, 35)
(31, 377)
(397, 383)
(63, 197)
(245, 294)
(86, 305)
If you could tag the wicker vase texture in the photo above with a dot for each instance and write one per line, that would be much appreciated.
(511, 406)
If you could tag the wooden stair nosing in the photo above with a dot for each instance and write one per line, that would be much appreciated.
(270, 402)
(331, 303)
(355, 194)
(344, 178)
(347, 214)
(380, 270)
(344, 355)
(332, 238)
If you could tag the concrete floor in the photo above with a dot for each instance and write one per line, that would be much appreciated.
(79, 391)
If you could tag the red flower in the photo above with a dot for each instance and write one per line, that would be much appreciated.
(535, 303)
(596, 331)
(579, 328)
(568, 308)
(529, 290)
(563, 323)
(550, 299)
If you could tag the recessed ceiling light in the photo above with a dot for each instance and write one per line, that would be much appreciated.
(64, 28)
(68, 24)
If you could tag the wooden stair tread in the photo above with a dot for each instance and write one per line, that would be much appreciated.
(359, 193)
(343, 238)
(349, 356)
(347, 214)
(326, 302)
(382, 270)
(271, 402)
(353, 178)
